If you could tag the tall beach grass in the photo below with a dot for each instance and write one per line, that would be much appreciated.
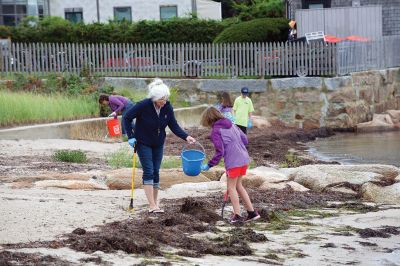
(24, 107)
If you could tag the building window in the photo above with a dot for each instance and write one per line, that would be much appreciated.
(123, 13)
(13, 11)
(168, 12)
(11, 14)
(311, 4)
(74, 15)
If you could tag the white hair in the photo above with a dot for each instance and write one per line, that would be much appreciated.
(157, 90)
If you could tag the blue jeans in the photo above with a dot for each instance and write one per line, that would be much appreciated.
(123, 125)
(150, 159)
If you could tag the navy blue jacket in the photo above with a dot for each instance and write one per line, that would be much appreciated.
(150, 128)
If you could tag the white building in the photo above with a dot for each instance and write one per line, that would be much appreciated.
(133, 10)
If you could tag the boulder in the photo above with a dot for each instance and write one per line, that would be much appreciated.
(260, 175)
(379, 194)
(320, 177)
(295, 186)
(197, 187)
(260, 122)
(268, 174)
(267, 178)
(71, 184)
(54, 176)
(344, 190)
(379, 122)
(121, 178)
(394, 115)
(22, 184)
(215, 173)
(252, 181)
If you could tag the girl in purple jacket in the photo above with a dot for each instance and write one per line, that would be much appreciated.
(229, 142)
(118, 105)
(225, 106)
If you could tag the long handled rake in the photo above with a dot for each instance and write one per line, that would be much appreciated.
(130, 208)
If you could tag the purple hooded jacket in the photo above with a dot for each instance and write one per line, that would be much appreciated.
(117, 103)
(229, 142)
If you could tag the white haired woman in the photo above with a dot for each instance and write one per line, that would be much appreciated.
(153, 115)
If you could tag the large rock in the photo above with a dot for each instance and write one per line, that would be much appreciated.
(198, 187)
(260, 175)
(379, 122)
(266, 178)
(295, 186)
(260, 122)
(394, 115)
(54, 176)
(268, 174)
(319, 177)
(71, 184)
(121, 178)
(215, 173)
(379, 194)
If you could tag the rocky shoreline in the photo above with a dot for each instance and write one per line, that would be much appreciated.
(312, 212)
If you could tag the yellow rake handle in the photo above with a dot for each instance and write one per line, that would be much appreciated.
(133, 171)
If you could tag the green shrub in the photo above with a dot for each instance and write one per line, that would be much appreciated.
(121, 158)
(27, 31)
(5, 32)
(71, 156)
(259, 9)
(257, 30)
(56, 29)
(177, 30)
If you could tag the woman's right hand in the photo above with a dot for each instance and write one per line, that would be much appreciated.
(191, 140)
(132, 142)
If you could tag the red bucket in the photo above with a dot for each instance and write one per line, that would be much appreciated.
(114, 129)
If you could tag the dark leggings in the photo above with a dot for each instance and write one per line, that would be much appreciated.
(244, 129)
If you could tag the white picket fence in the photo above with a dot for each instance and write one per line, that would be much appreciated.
(251, 60)
(171, 60)
(362, 56)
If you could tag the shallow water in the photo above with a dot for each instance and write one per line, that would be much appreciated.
(349, 148)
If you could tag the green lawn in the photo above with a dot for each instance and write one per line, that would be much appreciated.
(24, 107)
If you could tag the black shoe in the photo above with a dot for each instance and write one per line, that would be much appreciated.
(252, 216)
(236, 218)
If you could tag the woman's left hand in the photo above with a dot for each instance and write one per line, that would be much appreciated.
(190, 139)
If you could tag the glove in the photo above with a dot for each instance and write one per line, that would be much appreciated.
(114, 114)
(132, 142)
(205, 167)
(249, 124)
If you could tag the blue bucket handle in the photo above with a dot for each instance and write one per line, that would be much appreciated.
(198, 143)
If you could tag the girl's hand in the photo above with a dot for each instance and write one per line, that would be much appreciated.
(191, 140)
(205, 167)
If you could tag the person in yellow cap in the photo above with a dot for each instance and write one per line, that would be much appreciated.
(292, 31)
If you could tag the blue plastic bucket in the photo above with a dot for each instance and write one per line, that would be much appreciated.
(191, 161)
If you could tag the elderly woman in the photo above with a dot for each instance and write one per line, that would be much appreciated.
(153, 115)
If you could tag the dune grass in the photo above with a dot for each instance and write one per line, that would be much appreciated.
(124, 158)
(72, 156)
(25, 107)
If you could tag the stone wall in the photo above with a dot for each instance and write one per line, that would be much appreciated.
(310, 102)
